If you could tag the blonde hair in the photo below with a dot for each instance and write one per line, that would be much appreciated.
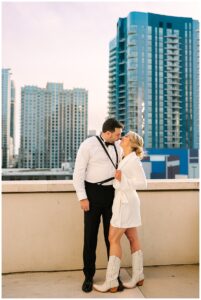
(136, 143)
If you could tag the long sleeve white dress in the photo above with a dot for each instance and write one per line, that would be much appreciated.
(126, 205)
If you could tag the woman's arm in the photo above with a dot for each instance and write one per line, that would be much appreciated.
(135, 180)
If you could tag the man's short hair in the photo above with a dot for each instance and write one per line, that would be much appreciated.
(110, 125)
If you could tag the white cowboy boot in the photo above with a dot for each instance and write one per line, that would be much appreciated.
(111, 283)
(137, 271)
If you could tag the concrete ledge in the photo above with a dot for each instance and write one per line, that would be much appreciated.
(42, 226)
(32, 186)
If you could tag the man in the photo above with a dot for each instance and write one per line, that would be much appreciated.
(96, 162)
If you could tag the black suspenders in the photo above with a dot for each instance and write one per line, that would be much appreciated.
(115, 165)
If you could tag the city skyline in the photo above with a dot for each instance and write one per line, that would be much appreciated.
(69, 43)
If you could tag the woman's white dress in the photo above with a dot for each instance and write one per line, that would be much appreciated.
(126, 205)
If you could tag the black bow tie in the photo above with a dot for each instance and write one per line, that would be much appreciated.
(109, 144)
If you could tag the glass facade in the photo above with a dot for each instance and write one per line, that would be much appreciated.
(154, 79)
(8, 109)
(54, 122)
(12, 117)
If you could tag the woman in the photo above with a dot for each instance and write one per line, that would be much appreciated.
(126, 214)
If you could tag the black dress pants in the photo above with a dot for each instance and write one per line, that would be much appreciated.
(100, 199)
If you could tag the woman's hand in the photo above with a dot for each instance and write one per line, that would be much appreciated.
(117, 175)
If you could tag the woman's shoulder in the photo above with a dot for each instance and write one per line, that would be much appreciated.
(129, 159)
(134, 158)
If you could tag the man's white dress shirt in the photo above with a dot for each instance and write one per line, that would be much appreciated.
(93, 165)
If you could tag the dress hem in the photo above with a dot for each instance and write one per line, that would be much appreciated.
(130, 226)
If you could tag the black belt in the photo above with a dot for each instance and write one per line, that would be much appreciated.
(101, 182)
(104, 181)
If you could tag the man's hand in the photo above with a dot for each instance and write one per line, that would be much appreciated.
(84, 204)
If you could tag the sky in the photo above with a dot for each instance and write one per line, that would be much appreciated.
(68, 42)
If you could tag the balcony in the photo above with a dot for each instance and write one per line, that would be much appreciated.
(43, 237)
(122, 74)
(122, 39)
(132, 30)
(122, 62)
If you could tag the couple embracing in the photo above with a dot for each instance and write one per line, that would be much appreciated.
(107, 174)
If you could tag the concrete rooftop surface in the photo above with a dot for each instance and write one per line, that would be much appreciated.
(173, 281)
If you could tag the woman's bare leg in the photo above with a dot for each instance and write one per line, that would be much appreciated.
(115, 235)
(132, 236)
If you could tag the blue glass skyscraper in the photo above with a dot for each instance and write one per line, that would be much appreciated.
(154, 79)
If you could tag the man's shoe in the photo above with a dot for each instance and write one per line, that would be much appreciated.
(120, 287)
(87, 285)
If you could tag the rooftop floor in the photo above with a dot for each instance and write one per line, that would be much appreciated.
(175, 281)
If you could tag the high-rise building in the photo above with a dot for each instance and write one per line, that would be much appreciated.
(154, 79)
(8, 116)
(54, 122)
(12, 119)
